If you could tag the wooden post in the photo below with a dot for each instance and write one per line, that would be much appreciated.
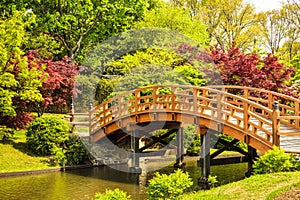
(252, 154)
(72, 118)
(276, 124)
(205, 158)
(135, 164)
(219, 106)
(179, 157)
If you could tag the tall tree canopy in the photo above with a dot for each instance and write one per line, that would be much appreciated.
(78, 24)
(175, 19)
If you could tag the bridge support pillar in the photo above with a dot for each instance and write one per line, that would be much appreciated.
(252, 154)
(205, 161)
(179, 157)
(135, 164)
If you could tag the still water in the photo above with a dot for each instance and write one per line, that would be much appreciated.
(82, 184)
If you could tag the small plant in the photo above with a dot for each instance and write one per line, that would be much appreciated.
(275, 160)
(116, 194)
(212, 180)
(171, 186)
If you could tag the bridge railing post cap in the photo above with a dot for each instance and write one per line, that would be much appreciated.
(275, 105)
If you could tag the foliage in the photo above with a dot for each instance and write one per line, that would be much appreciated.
(115, 194)
(148, 67)
(212, 180)
(275, 160)
(171, 186)
(46, 134)
(176, 19)
(74, 151)
(20, 76)
(58, 88)
(238, 68)
(274, 26)
(191, 140)
(230, 21)
(78, 24)
(153, 56)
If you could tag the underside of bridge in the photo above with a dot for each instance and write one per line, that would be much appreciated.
(172, 136)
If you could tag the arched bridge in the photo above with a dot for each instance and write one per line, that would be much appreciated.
(255, 116)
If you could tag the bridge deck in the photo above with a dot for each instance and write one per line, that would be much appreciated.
(288, 143)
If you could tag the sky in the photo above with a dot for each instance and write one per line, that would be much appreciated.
(264, 5)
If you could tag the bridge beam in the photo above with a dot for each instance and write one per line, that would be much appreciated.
(179, 157)
(205, 159)
(135, 164)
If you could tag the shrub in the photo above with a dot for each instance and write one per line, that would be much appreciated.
(195, 146)
(275, 160)
(191, 140)
(45, 134)
(75, 152)
(116, 194)
(171, 186)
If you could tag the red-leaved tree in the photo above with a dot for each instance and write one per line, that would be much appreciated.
(58, 88)
(238, 68)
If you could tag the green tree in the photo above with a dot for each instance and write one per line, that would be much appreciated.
(231, 21)
(290, 12)
(275, 29)
(176, 19)
(20, 76)
(77, 25)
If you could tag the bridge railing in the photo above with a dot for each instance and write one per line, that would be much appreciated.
(288, 106)
(246, 109)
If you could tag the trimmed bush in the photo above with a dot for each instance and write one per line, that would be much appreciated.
(116, 194)
(275, 160)
(45, 134)
(171, 186)
(75, 152)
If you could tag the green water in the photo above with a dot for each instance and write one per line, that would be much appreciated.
(84, 183)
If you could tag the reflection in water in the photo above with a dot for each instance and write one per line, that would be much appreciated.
(84, 183)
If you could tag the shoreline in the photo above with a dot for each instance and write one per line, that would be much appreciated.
(42, 171)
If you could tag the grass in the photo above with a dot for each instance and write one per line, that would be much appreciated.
(256, 187)
(15, 156)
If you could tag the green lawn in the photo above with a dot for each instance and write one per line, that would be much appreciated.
(15, 157)
(256, 187)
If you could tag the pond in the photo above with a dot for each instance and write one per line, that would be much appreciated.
(82, 184)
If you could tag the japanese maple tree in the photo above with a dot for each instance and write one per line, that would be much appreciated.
(58, 88)
(238, 68)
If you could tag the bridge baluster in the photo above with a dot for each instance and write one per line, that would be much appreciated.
(246, 115)
(297, 114)
(195, 95)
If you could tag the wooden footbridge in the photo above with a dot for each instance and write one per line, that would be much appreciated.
(258, 117)
(255, 116)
